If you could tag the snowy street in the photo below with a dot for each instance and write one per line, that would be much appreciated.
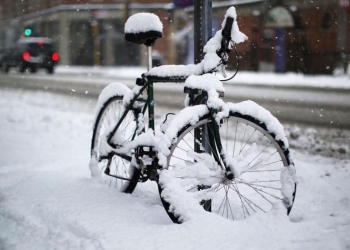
(295, 98)
(49, 201)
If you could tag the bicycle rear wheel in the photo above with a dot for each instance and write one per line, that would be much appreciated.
(258, 155)
(104, 161)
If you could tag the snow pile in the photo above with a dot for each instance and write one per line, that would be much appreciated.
(210, 84)
(48, 201)
(205, 82)
(321, 141)
(183, 204)
(145, 139)
(288, 180)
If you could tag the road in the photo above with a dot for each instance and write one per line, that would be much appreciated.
(304, 105)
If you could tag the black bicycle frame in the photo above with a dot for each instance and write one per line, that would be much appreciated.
(149, 104)
(196, 97)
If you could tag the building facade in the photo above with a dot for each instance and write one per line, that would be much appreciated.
(300, 36)
(284, 35)
(86, 32)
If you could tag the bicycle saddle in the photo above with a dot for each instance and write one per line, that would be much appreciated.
(143, 28)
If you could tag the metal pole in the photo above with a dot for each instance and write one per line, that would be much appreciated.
(202, 27)
(149, 58)
(202, 33)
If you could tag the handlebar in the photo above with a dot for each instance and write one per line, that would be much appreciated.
(180, 72)
(226, 31)
(226, 39)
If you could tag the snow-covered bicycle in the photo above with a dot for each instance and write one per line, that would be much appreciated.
(231, 159)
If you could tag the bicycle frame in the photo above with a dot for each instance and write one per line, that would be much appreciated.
(148, 104)
(196, 97)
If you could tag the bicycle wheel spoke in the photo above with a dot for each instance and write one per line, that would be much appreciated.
(263, 170)
(244, 208)
(262, 161)
(259, 153)
(267, 164)
(220, 188)
(181, 149)
(257, 191)
(249, 201)
(245, 130)
(248, 139)
(264, 181)
(182, 159)
(226, 134)
(234, 144)
(229, 204)
(256, 185)
(225, 205)
(223, 200)
(188, 144)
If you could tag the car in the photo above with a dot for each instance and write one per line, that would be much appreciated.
(31, 53)
(2, 55)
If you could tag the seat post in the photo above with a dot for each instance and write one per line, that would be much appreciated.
(149, 58)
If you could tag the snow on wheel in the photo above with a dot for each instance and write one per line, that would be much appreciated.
(104, 163)
(264, 173)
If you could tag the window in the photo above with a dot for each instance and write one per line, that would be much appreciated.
(326, 21)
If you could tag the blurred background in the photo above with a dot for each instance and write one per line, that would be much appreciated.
(311, 36)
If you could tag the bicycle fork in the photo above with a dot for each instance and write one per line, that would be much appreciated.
(212, 144)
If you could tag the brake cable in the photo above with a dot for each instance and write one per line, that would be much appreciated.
(237, 58)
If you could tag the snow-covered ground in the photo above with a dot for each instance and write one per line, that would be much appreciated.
(49, 201)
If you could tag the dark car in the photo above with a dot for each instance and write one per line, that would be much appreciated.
(31, 53)
(3, 52)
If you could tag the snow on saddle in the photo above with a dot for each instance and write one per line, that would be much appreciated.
(143, 28)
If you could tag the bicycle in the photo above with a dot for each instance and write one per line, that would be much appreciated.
(232, 159)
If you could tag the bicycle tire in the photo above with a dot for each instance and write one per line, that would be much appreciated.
(248, 195)
(107, 117)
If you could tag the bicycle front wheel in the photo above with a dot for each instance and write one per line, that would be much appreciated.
(257, 154)
(105, 162)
